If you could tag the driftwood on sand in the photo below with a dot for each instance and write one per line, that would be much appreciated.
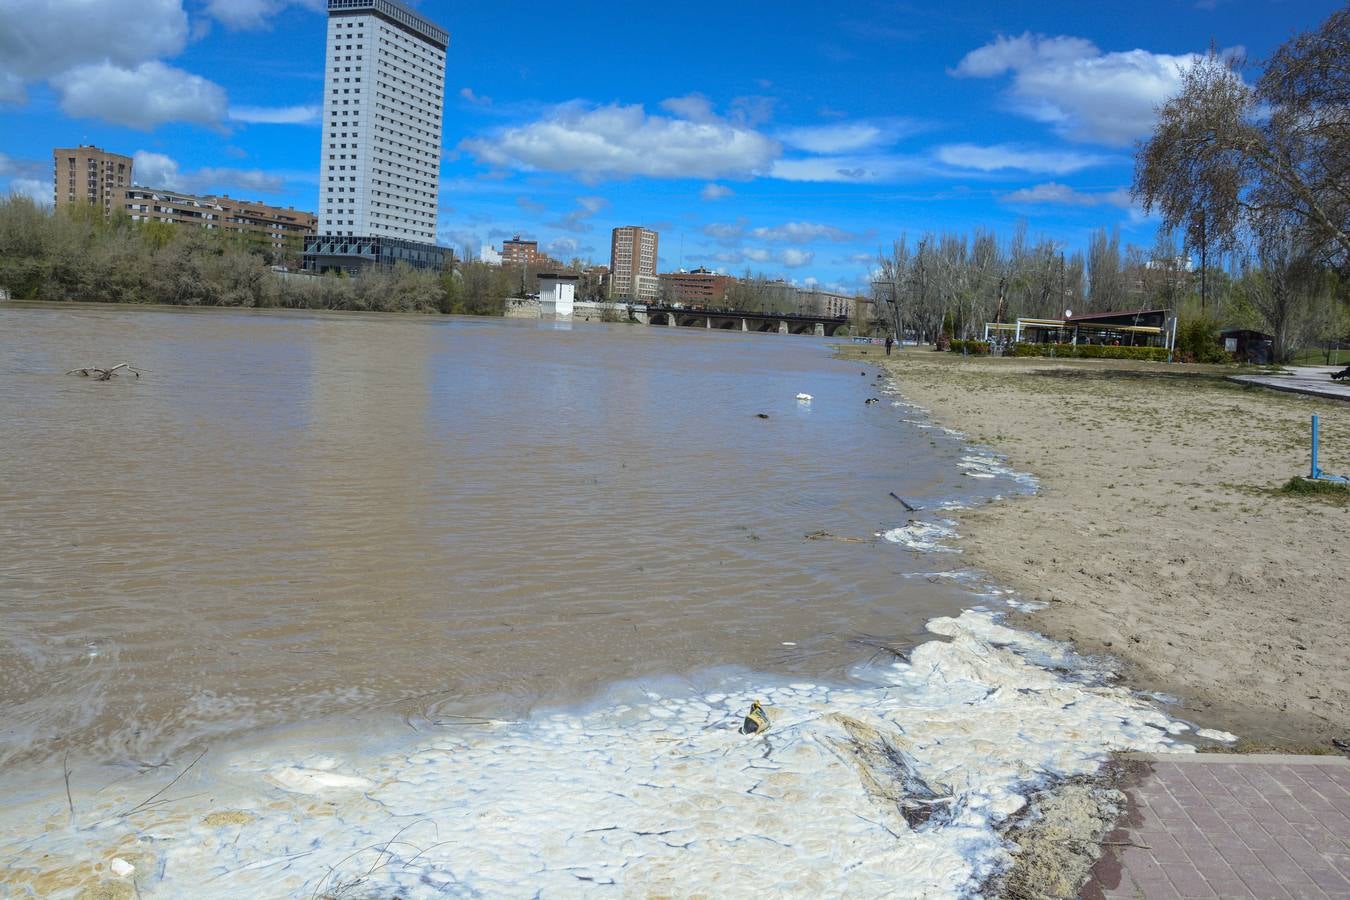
(100, 374)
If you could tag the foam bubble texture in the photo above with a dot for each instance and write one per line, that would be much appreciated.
(653, 794)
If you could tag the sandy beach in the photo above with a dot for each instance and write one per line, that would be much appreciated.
(1159, 534)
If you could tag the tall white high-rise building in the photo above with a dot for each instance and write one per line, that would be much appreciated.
(379, 173)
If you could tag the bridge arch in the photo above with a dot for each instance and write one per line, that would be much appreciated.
(660, 318)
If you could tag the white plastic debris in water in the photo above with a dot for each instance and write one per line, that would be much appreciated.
(805, 398)
(121, 868)
(1211, 734)
(649, 792)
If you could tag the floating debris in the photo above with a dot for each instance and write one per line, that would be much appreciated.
(805, 398)
(99, 374)
(756, 720)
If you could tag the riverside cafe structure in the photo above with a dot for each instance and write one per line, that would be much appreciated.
(1126, 328)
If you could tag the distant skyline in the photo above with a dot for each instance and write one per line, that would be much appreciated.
(795, 144)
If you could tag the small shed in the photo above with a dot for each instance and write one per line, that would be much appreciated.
(557, 294)
(1248, 346)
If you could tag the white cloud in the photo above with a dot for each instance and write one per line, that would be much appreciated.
(476, 99)
(849, 137)
(1083, 93)
(577, 219)
(694, 107)
(725, 231)
(1004, 157)
(757, 254)
(842, 138)
(802, 233)
(715, 192)
(854, 169)
(795, 259)
(11, 88)
(148, 95)
(75, 44)
(1063, 195)
(252, 14)
(43, 38)
(277, 115)
(619, 141)
(23, 168)
(38, 190)
(157, 170)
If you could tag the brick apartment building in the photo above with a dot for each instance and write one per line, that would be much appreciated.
(699, 288)
(87, 175)
(281, 230)
(517, 252)
(632, 264)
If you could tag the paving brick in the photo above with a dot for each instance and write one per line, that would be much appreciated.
(1237, 853)
(1320, 837)
(1256, 829)
(1190, 883)
(1328, 879)
(1260, 882)
(1165, 848)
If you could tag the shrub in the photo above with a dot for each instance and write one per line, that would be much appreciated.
(1198, 341)
(974, 348)
(1091, 351)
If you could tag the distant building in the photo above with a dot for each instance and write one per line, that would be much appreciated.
(379, 172)
(283, 231)
(517, 252)
(632, 264)
(701, 288)
(86, 175)
(489, 255)
(826, 303)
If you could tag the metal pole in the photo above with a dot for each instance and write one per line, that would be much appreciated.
(1315, 472)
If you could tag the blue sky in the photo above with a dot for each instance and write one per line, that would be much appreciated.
(793, 139)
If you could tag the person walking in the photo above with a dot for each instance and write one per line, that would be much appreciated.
(889, 342)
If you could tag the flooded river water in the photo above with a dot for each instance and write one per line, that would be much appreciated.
(307, 549)
(289, 516)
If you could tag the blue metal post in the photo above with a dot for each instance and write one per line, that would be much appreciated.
(1316, 472)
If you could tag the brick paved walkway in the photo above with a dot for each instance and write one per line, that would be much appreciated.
(1228, 826)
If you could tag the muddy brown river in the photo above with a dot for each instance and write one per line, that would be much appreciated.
(294, 516)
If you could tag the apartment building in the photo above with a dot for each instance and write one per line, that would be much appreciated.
(700, 288)
(283, 231)
(520, 252)
(632, 264)
(379, 172)
(87, 175)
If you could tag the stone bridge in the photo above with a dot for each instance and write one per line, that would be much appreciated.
(740, 320)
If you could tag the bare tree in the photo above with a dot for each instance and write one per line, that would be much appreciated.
(1226, 158)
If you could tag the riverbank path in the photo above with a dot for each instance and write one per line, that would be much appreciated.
(1312, 380)
(1230, 826)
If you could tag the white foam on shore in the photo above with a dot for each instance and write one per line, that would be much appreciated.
(926, 537)
(653, 793)
(978, 464)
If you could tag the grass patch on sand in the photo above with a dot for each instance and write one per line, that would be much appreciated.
(1329, 491)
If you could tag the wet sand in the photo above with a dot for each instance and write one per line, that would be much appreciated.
(1158, 535)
